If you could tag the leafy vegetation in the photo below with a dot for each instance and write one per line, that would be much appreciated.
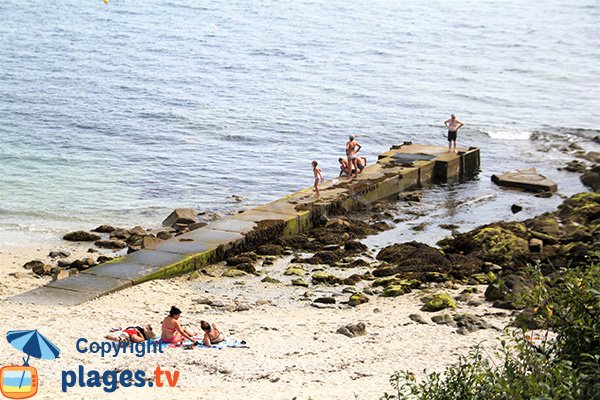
(564, 364)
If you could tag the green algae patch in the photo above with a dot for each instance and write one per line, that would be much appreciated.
(439, 302)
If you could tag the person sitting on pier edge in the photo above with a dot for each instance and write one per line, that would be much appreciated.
(172, 331)
(212, 335)
(361, 161)
(352, 148)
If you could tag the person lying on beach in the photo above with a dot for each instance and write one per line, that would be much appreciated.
(172, 331)
(133, 334)
(318, 177)
(212, 335)
(361, 161)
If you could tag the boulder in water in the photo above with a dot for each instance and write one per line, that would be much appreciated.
(81, 236)
(180, 216)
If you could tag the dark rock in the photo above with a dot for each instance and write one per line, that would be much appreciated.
(103, 259)
(445, 319)
(299, 282)
(575, 166)
(470, 322)
(181, 228)
(498, 243)
(359, 262)
(411, 196)
(244, 258)
(449, 227)
(120, 233)
(150, 242)
(268, 279)
(135, 241)
(354, 246)
(104, 229)
(357, 299)
(111, 244)
(353, 330)
(180, 216)
(544, 195)
(164, 235)
(82, 264)
(528, 319)
(63, 273)
(138, 230)
(33, 264)
(249, 268)
(43, 269)
(507, 292)
(59, 254)
(418, 318)
(325, 300)
(439, 302)
(326, 277)
(269, 250)
(81, 236)
(515, 208)
(591, 179)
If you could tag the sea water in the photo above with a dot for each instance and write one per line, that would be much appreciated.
(118, 113)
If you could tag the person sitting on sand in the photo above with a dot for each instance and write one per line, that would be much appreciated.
(172, 332)
(133, 334)
(362, 163)
(212, 335)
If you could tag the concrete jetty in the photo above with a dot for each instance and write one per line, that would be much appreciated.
(402, 168)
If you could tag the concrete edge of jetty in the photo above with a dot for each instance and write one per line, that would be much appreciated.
(403, 168)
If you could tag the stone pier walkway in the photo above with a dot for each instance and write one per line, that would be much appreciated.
(404, 167)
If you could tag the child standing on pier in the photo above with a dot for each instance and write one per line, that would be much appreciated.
(318, 177)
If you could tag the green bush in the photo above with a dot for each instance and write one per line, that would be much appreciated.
(565, 365)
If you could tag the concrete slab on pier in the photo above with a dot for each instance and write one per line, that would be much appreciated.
(404, 167)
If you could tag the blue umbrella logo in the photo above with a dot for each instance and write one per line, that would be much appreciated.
(34, 344)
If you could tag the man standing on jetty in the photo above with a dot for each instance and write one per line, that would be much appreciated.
(452, 124)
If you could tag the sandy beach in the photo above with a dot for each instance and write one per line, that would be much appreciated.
(293, 348)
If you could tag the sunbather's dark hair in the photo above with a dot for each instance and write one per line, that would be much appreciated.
(205, 326)
(174, 311)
